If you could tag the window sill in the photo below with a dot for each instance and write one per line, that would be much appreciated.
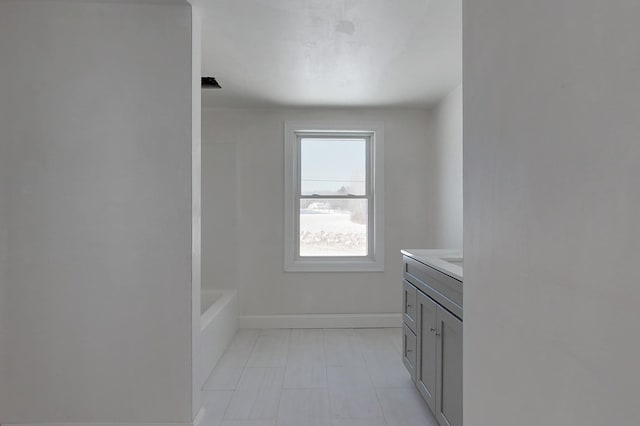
(334, 266)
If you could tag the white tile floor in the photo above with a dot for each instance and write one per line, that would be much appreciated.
(302, 377)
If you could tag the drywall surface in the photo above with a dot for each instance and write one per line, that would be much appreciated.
(551, 201)
(196, 209)
(243, 210)
(95, 160)
(448, 164)
(331, 53)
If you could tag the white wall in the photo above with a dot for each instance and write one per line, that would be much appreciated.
(196, 208)
(552, 201)
(243, 202)
(448, 164)
(95, 163)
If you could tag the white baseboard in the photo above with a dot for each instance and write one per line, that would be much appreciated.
(196, 422)
(321, 321)
(99, 424)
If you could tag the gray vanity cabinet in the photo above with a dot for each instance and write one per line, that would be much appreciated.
(427, 342)
(409, 351)
(409, 294)
(448, 408)
(437, 366)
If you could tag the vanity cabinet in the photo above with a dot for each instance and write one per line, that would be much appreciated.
(448, 409)
(410, 295)
(437, 323)
(409, 351)
(427, 349)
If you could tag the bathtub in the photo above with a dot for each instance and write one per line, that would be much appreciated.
(218, 324)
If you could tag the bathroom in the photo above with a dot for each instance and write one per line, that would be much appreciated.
(416, 175)
(177, 251)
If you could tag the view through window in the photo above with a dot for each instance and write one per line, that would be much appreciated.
(335, 196)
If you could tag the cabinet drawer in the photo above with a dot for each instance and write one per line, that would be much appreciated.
(409, 301)
(444, 289)
(409, 351)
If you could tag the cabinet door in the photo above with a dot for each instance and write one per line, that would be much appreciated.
(409, 301)
(409, 351)
(426, 363)
(449, 370)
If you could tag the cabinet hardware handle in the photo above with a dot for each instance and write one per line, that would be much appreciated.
(409, 305)
(409, 350)
(433, 329)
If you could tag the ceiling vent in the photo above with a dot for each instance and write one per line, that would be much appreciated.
(210, 83)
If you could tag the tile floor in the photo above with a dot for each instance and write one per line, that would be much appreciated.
(313, 377)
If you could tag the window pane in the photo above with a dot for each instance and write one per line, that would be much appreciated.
(333, 166)
(333, 227)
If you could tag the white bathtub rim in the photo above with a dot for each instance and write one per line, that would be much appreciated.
(217, 306)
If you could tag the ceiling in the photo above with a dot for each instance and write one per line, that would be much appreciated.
(331, 52)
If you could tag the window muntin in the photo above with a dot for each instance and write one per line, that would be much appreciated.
(334, 196)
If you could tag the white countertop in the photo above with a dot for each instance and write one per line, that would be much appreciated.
(435, 259)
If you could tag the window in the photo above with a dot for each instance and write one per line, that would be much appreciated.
(333, 198)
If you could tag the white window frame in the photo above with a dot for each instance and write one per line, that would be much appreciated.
(375, 169)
